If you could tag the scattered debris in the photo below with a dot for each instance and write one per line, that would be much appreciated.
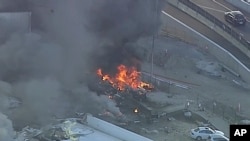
(137, 121)
(202, 124)
(187, 114)
(166, 129)
(171, 119)
(144, 130)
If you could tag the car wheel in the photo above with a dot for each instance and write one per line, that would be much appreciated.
(233, 23)
(198, 138)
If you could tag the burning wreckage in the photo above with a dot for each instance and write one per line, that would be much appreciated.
(125, 88)
(126, 80)
(126, 84)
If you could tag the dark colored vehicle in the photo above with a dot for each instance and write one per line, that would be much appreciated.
(235, 18)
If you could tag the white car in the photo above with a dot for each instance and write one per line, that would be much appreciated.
(217, 137)
(203, 133)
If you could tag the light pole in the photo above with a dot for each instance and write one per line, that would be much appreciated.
(153, 39)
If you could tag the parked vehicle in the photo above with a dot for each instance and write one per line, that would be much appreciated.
(217, 137)
(235, 18)
(203, 133)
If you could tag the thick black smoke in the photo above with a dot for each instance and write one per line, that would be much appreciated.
(112, 25)
(47, 68)
(119, 24)
(122, 20)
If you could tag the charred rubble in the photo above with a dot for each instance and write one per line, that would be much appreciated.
(131, 102)
(102, 87)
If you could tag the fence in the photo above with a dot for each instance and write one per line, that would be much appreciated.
(217, 22)
(232, 114)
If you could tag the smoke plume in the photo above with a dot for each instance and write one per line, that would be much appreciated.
(119, 24)
(13, 5)
(48, 68)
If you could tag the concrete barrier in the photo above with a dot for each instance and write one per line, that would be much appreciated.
(210, 24)
(178, 29)
(244, 5)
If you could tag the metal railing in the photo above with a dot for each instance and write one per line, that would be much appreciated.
(239, 37)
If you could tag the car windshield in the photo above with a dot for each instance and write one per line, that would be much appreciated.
(212, 130)
(239, 16)
(196, 130)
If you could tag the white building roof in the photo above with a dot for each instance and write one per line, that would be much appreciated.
(88, 128)
(113, 130)
(98, 130)
(81, 132)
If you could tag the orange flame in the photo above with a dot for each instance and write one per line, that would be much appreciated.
(136, 110)
(124, 77)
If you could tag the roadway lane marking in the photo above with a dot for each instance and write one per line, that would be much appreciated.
(165, 13)
(247, 18)
(221, 5)
(206, 38)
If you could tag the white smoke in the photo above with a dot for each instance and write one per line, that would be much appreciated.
(6, 130)
(26, 56)
(5, 91)
(108, 104)
(42, 99)
(93, 103)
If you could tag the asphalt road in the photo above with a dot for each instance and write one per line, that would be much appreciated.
(206, 31)
(217, 9)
